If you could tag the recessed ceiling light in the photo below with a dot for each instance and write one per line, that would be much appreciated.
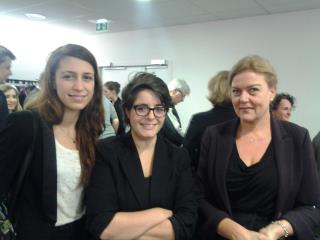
(35, 16)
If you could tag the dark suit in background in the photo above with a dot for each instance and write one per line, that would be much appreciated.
(3, 109)
(117, 185)
(199, 123)
(120, 114)
(298, 198)
(169, 131)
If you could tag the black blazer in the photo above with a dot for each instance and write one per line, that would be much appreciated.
(38, 202)
(199, 123)
(3, 109)
(298, 199)
(117, 181)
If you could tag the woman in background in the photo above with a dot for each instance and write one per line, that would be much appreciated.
(142, 186)
(111, 90)
(257, 175)
(68, 115)
(219, 96)
(11, 93)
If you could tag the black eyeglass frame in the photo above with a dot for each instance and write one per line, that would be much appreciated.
(150, 109)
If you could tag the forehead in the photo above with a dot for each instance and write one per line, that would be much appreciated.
(75, 65)
(248, 78)
(10, 91)
(147, 96)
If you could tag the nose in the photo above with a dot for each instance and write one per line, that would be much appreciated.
(151, 114)
(244, 96)
(78, 84)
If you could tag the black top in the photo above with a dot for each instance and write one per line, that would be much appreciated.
(3, 109)
(253, 189)
(146, 193)
(120, 114)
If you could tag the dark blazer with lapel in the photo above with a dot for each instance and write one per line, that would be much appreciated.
(3, 109)
(117, 180)
(298, 198)
(199, 123)
(38, 201)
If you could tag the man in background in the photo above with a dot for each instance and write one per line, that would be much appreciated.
(172, 130)
(6, 57)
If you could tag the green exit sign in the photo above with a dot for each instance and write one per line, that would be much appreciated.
(101, 25)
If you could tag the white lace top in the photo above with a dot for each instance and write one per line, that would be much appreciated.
(70, 191)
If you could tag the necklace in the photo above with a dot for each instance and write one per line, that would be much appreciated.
(66, 133)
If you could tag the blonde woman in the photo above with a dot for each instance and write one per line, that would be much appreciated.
(11, 93)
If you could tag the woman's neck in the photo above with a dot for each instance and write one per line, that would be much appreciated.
(258, 128)
(144, 144)
(69, 119)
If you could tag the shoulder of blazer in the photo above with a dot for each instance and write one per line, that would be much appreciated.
(20, 123)
(228, 127)
(115, 145)
(285, 129)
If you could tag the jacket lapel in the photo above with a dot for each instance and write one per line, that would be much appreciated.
(225, 147)
(130, 162)
(283, 155)
(49, 188)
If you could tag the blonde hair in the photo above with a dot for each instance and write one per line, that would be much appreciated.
(219, 88)
(255, 64)
(6, 87)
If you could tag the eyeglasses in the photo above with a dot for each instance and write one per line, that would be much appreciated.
(143, 110)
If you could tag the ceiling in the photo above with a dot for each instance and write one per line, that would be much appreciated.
(128, 15)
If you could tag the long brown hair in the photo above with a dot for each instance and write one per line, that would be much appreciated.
(91, 119)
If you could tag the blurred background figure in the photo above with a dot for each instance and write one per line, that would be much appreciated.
(111, 90)
(31, 91)
(172, 129)
(282, 106)
(6, 57)
(111, 121)
(11, 93)
(222, 110)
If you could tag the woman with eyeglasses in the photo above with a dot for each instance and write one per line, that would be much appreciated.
(141, 186)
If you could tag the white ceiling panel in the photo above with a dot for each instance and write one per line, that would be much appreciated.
(128, 15)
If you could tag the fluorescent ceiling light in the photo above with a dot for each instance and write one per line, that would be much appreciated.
(35, 16)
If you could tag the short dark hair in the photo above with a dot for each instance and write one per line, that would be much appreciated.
(142, 81)
(276, 101)
(6, 53)
(113, 86)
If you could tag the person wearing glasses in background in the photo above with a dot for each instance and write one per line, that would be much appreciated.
(172, 129)
(141, 186)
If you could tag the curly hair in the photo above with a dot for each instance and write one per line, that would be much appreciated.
(276, 101)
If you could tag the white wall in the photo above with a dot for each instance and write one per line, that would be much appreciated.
(196, 52)
(32, 42)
